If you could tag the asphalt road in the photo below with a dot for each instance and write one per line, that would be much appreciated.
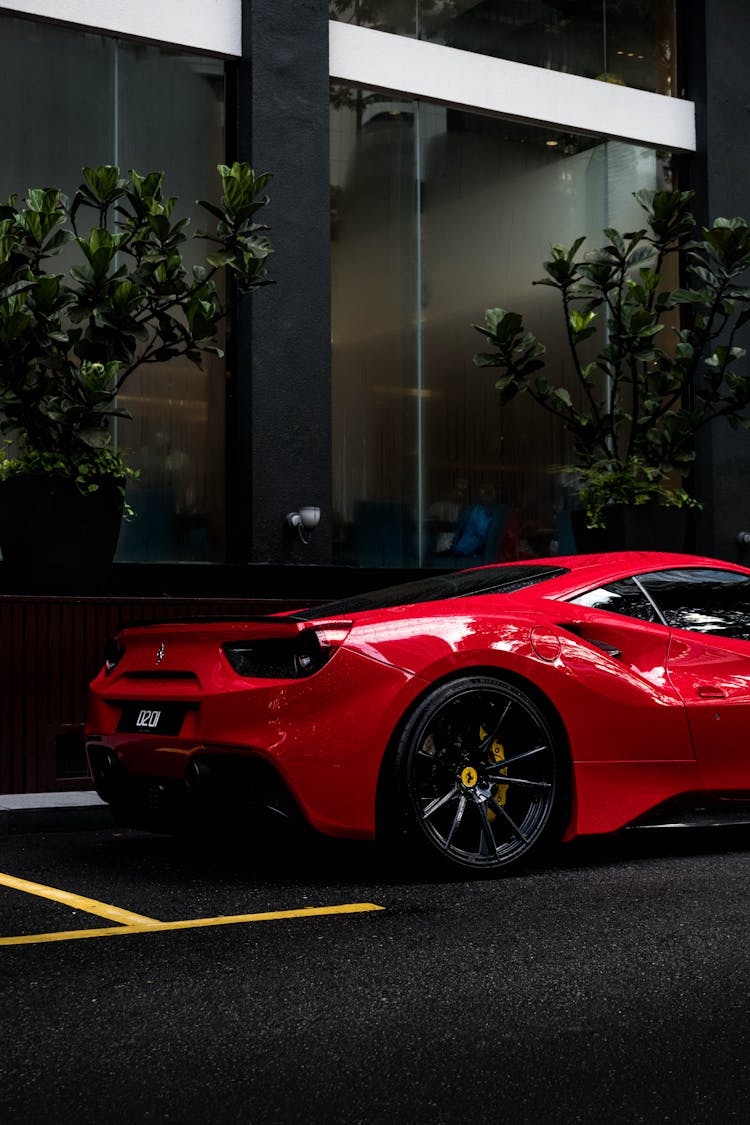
(610, 986)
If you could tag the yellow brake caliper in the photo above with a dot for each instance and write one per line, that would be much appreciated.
(500, 792)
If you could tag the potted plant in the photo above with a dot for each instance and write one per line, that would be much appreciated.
(644, 392)
(70, 341)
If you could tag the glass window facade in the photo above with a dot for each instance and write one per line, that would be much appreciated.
(630, 42)
(96, 100)
(437, 215)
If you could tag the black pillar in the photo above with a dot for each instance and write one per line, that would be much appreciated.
(279, 425)
(717, 79)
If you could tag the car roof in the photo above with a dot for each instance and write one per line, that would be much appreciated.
(589, 571)
(569, 575)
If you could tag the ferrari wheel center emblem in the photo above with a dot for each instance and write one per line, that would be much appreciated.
(469, 777)
(160, 653)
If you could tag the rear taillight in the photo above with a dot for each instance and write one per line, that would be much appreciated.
(331, 634)
(288, 658)
(329, 637)
(113, 654)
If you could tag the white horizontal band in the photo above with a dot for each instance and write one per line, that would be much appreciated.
(213, 26)
(377, 60)
(393, 62)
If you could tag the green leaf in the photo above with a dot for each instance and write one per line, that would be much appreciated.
(95, 438)
(581, 324)
(486, 359)
(212, 208)
(223, 258)
(104, 182)
(687, 297)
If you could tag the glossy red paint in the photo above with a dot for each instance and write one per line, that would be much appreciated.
(712, 675)
(324, 735)
(646, 712)
(545, 643)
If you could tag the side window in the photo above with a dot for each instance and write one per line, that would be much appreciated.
(702, 599)
(624, 597)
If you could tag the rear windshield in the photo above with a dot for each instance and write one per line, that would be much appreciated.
(488, 580)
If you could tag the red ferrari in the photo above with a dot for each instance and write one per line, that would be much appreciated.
(476, 716)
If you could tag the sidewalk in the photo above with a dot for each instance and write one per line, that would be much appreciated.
(52, 812)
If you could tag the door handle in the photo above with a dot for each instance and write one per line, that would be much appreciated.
(710, 691)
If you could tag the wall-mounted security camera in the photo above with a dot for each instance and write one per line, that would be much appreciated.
(304, 519)
(310, 517)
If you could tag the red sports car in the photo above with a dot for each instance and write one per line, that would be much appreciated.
(477, 715)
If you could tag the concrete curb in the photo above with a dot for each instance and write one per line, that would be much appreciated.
(52, 812)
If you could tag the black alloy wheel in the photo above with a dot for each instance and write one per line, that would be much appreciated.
(483, 775)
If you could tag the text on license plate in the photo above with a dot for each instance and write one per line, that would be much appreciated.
(152, 718)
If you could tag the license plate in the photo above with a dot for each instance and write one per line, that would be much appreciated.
(152, 718)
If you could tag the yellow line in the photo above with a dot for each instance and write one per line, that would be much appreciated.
(193, 923)
(88, 905)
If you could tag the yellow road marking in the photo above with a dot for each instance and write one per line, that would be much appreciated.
(150, 926)
(88, 905)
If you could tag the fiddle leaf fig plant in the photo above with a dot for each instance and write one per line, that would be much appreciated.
(71, 339)
(650, 386)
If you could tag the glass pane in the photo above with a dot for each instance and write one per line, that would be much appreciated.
(437, 215)
(374, 344)
(495, 197)
(152, 109)
(619, 597)
(702, 600)
(58, 126)
(557, 36)
(399, 16)
(629, 42)
(176, 436)
(640, 44)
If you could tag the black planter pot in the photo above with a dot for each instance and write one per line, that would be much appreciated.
(647, 527)
(49, 528)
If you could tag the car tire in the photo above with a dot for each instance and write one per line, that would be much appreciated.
(482, 777)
